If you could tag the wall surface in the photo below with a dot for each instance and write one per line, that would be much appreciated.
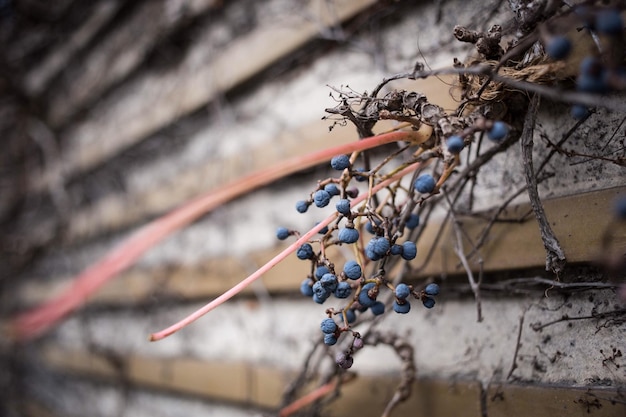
(114, 114)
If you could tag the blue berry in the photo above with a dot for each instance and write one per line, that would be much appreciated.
(343, 290)
(360, 178)
(369, 226)
(323, 230)
(305, 288)
(348, 235)
(593, 77)
(396, 249)
(352, 269)
(609, 21)
(558, 47)
(320, 271)
(330, 339)
(343, 206)
(424, 184)
(332, 189)
(413, 221)
(428, 302)
(320, 291)
(378, 245)
(305, 251)
(329, 281)
(403, 308)
(402, 291)
(302, 206)
(328, 326)
(620, 207)
(321, 198)
(409, 250)
(498, 131)
(282, 233)
(318, 299)
(378, 308)
(364, 299)
(350, 315)
(432, 289)
(340, 162)
(579, 111)
(455, 144)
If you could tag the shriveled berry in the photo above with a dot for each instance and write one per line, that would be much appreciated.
(455, 144)
(340, 162)
(432, 289)
(344, 361)
(378, 245)
(352, 269)
(320, 271)
(282, 233)
(328, 326)
(403, 308)
(402, 291)
(321, 198)
(302, 206)
(609, 21)
(413, 221)
(425, 184)
(318, 299)
(305, 288)
(343, 290)
(352, 192)
(343, 206)
(329, 281)
(330, 339)
(348, 235)
(558, 47)
(428, 302)
(305, 251)
(320, 291)
(332, 189)
(358, 343)
(409, 250)
(498, 131)
(364, 299)
(378, 308)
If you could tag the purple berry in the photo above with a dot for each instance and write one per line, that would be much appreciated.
(343, 290)
(330, 339)
(428, 302)
(403, 308)
(432, 289)
(352, 270)
(340, 162)
(455, 144)
(343, 206)
(348, 235)
(498, 131)
(305, 252)
(344, 361)
(402, 291)
(302, 206)
(424, 184)
(282, 233)
(358, 343)
(321, 198)
(328, 326)
(378, 308)
(409, 250)
(558, 47)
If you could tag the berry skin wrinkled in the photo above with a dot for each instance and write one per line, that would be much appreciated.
(330, 339)
(344, 361)
(558, 47)
(428, 302)
(305, 252)
(378, 308)
(329, 281)
(358, 343)
(402, 291)
(455, 144)
(348, 235)
(364, 298)
(424, 184)
(343, 290)
(378, 246)
(352, 269)
(305, 288)
(413, 221)
(340, 162)
(432, 289)
(319, 300)
(343, 206)
(498, 131)
(409, 250)
(320, 291)
(282, 233)
(332, 189)
(328, 326)
(302, 206)
(321, 198)
(401, 308)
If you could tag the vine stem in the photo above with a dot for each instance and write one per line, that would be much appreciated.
(36, 321)
(274, 261)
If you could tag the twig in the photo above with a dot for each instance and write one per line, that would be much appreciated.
(555, 258)
(539, 326)
(517, 345)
